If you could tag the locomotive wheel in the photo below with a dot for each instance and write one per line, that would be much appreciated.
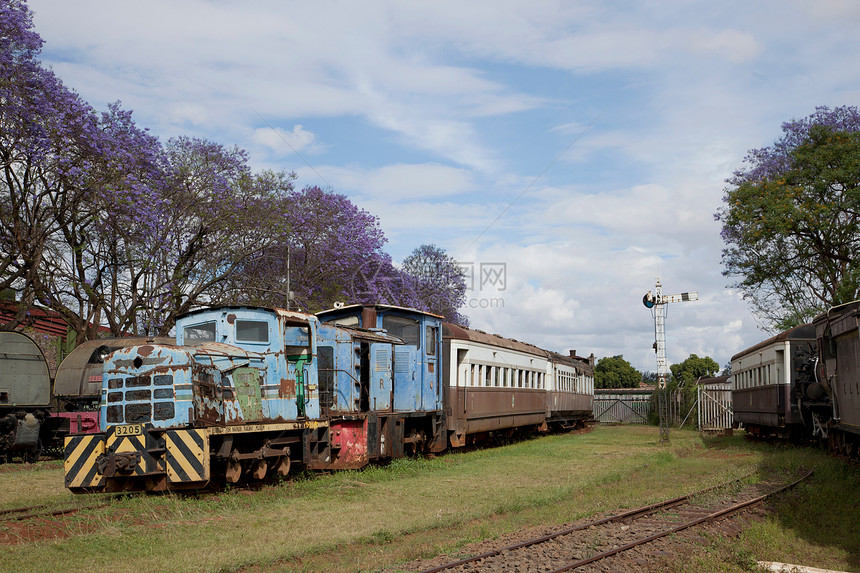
(282, 466)
(260, 469)
(233, 472)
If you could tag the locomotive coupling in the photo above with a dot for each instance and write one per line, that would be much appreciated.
(117, 462)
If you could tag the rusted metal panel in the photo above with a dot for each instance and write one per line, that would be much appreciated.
(493, 409)
(247, 383)
(279, 427)
(349, 440)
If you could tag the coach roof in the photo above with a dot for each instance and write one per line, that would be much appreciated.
(452, 331)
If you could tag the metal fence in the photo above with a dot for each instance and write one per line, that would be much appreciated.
(622, 407)
(715, 407)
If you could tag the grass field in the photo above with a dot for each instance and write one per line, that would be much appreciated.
(376, 518)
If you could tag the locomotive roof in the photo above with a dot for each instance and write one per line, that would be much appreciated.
(802, 332)
(303, 316)
(452, 331)
(377, 307)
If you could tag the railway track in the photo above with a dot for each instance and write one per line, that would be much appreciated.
(583, 545)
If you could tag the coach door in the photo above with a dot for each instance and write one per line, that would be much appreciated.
(430, 390)
(464, 375)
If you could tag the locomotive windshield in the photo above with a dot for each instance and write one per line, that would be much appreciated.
(402, 327)
(199, 333)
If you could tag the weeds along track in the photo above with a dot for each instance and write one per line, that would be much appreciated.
(105, 500)
(35, 511)
(580, 546)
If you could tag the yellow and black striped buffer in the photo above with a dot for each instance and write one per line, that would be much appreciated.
(80, 453)
(187, 455)
(132, 438)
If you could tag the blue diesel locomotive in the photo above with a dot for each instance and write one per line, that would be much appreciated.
(250, 391)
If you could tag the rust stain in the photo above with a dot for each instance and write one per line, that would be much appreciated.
(231, 318)
(287, 388)
(145, 350)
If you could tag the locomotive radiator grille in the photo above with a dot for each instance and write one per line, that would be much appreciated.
(80, 453)
(187, 455)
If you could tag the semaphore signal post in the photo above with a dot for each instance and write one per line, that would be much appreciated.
(657, 303)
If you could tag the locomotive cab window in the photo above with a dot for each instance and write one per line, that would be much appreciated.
(199, 333)
(252, 331)
(297, 343)
(351, 321)
(402, 327)
(430, 340)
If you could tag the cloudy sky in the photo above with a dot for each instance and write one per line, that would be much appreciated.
(567, 152)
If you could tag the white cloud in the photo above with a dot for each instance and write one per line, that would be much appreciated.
(296, 140)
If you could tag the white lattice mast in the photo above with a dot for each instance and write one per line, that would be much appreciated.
(657, 303)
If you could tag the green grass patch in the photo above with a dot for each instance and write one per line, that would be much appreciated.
(414, 508)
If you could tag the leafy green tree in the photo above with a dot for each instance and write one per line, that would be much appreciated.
(791, 220)
(650, 377)
(615, 372)
(687, 372)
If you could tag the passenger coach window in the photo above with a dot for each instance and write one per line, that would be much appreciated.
(252, 331)
(199, 333)
(402, 327)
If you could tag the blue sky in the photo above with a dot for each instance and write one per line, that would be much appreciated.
(601, 132)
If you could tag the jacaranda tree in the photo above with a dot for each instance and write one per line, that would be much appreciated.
(62, 163)
(791, 219)
(330, 250)
(439, 282)
(106, 225)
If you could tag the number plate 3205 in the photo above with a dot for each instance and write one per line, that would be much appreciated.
(129, 430)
